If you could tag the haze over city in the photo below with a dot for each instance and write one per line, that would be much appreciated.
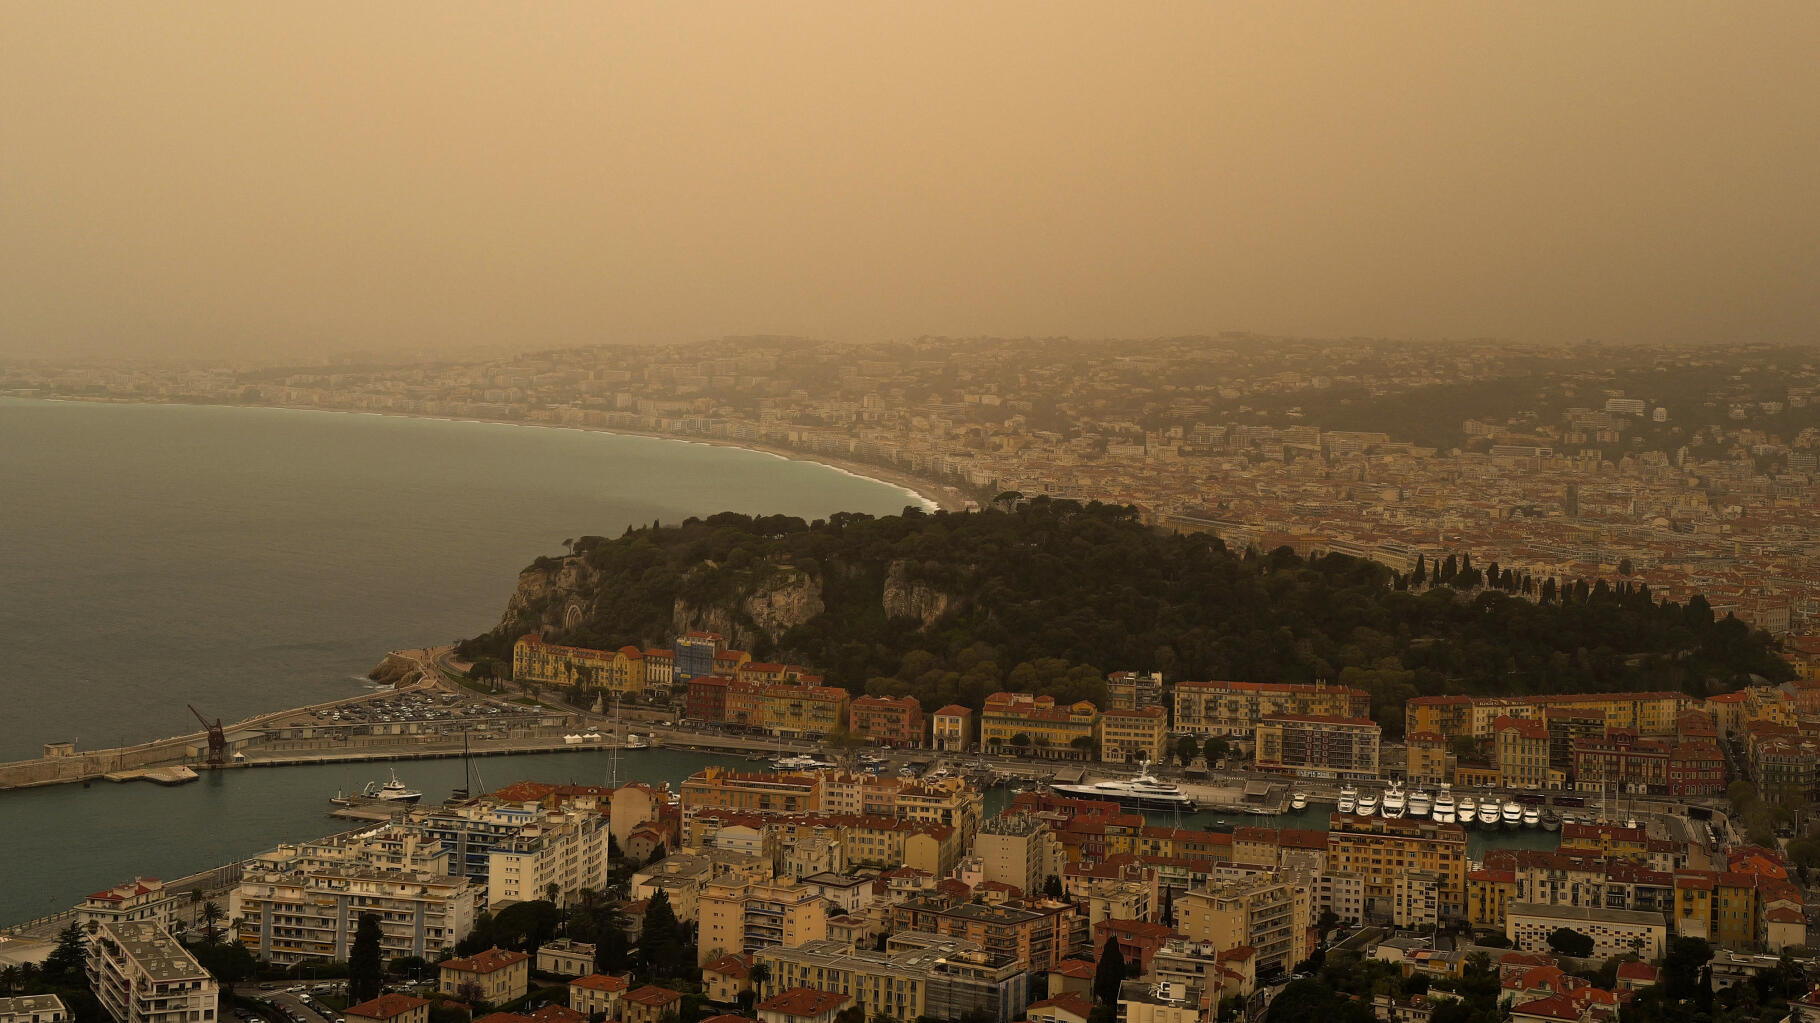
(275, 181)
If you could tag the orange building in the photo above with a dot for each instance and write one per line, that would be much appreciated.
(887, 720)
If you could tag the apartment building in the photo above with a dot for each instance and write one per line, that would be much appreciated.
(1132, 735)
(1016, 849)
(749, 917)
(1036, 933)
(753, 792)
(495, 976)
(562, 852)
(33, 1009)
(916, 975)
(1521, 752)
(1425, 759)
(1131, 690)
(1379, 850)
(471, 832)
(1652, 713)
(1620, 761)
(1233, 709)
(695, 655)
(143, 899)
(597, 993)
(952, 729)
(948, 801)
(1026, 725)
(1263, 913)
(393, 1008)
(1613, 931)
(141, 974)
(895, 721)
(1318, 745)
(619, 671)
(311, 914)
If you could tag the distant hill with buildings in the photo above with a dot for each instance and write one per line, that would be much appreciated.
(1048, 595)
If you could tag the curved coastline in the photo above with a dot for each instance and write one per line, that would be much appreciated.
(932, 496)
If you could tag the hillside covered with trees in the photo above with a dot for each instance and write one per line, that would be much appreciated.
(1050, 595)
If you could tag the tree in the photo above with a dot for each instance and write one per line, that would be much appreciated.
(211, 916)
(1109, 976)
(1682, 966)
(660, 940)
(1052, 886)
(1022, 741)
(366, 968)
(1570, 942)
(1214, 749)
(1186, 748)
(855, 1013)
(1421, 573)
(68, 962)
(760, 976)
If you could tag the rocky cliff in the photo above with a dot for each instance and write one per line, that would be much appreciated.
(904, 597)
(787, 597)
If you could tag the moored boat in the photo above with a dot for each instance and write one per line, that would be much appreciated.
(1298, 801)
(1349, 799)
(1488, 812)
(1368, 805)
(1396, 804)
(1532, 817)
(1550, 822)
(1512, 814)
(1143, 792)
(1445, 808)
(1421, 804)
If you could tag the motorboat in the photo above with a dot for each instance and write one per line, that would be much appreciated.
(1444, 808)
(1396, 804)
(393, 791)
(1143, 792)
(1468, 810)
(1550, 822)
(1488, 812)
(1298, 801)
(1349, 799)
(799, 762)
(1368, 805)
(1532, 817)
(636, 741)
(1421, 804)
(1512, 814)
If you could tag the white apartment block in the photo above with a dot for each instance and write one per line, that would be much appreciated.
(143, 899)
(143, 975)
(568, 850)
(33, 1009)
(297, 915)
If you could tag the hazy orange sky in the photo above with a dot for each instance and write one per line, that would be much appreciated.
(275, 179)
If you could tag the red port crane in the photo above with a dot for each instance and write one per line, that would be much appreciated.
(217, 738)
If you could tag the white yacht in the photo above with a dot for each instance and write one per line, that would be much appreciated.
(1421, 804)
(1488, 812)
(1512, 814)
(1396, 804)
(393, 791)
(800, 762)
(1349, 799)
(1532, 817)
(1143, 792)
(636, 741)
(1444, 809)
(1298, 801)
(1468, 810)
(1368, 805)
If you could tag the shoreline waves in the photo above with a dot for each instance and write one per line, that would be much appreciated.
(930, 495)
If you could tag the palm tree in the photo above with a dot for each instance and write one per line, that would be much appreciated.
(211, 915)
(9, 978)
(761, 975)
(551, 891)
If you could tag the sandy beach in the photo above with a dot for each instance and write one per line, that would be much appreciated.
(930, 494)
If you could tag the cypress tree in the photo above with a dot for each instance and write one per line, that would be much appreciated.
(1110, 974)
(366, 970)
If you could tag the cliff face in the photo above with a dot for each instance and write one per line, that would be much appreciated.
(787, 598)
(904, 598)
(552, 595)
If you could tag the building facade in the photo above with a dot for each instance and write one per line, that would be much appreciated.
(1233, 709)
(141, 974)
(1318, 745)
(1133, 735)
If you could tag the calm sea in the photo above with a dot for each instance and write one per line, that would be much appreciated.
(241, 560)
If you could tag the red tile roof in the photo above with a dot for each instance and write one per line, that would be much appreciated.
(386, 1006)
(486, 962)
(804, 1001)
(732, 965)
(653, 995)
(599, 982)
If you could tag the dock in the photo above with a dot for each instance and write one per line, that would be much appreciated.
(176, 774)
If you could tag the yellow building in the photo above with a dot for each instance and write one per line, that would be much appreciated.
(1235, 708)
(615, 671)
(804, 710)
(1521, 753)
(949, 801)
(1133, 735)
(1451, 716)
(1489, 896)
(495, 976)
(1033, 725)
(747, 917)
(757, 792)
(1425, 758)
(1378, 850)
(1260, 912)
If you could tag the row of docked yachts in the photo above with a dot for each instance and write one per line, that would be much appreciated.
(1488, 811)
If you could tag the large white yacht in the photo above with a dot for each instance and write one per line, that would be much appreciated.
(1396, 804)
(1512, 814)
(1444, 809)
(1488, 812)
(1349, 799)
(1420, 803)
(1368, 805)
(1143, 792)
